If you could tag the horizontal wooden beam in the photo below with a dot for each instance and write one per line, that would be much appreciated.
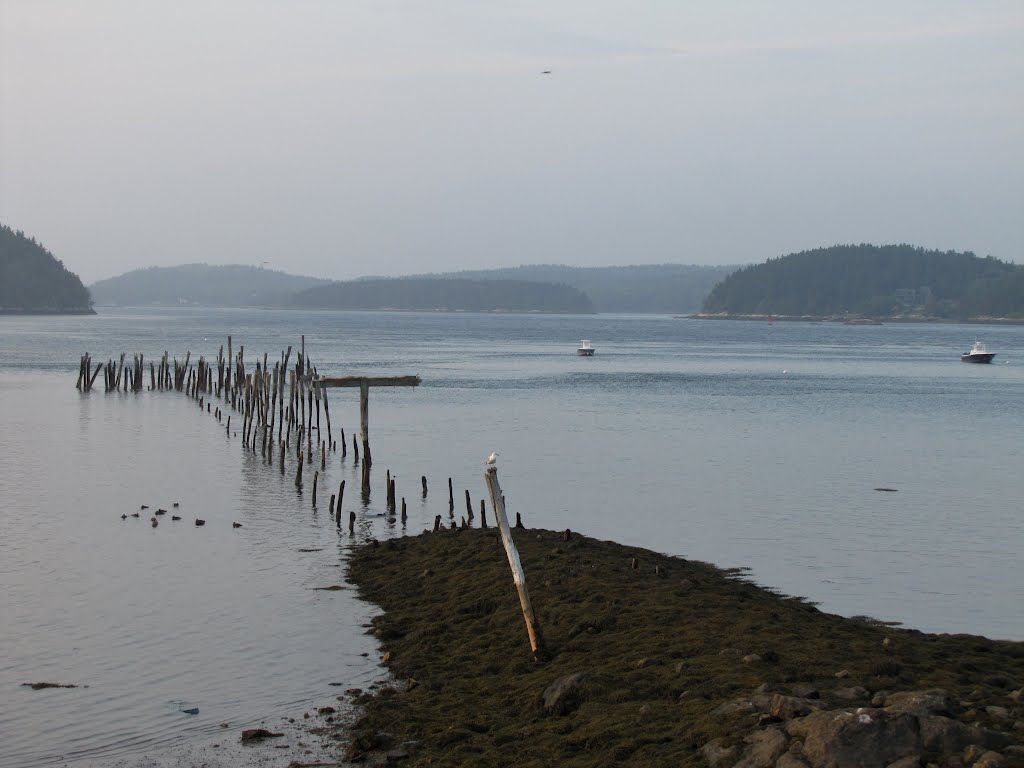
(370, 381)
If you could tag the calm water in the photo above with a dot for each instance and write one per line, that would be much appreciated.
(741, 444)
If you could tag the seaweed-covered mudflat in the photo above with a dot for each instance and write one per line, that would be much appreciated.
(657, 661)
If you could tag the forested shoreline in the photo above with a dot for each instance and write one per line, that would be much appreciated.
(34, 281)
(889, 281)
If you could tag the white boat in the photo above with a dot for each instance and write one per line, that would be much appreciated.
(585, 349)
(978, 354)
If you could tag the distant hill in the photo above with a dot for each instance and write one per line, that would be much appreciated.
(655, 288)
(874, 281)
(33, 281)
(202, 284)
(449, 295)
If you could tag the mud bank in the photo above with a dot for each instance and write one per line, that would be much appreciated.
(656, 661)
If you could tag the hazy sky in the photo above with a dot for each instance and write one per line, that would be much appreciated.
(341, 139)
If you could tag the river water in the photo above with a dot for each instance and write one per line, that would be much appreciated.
(742, 444)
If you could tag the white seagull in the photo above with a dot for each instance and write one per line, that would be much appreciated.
(492, 459)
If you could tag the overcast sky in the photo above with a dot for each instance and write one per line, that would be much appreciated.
(342, 139)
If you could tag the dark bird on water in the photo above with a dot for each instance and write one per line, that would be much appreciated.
(175, 517)
(144, 506)
(236, 525)
(161, 512)
(546, 72)
(200, 522)
(135, 514)
(175, 505)
(124, 517)
(152, 521)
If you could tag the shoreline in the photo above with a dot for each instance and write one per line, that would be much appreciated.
(654, 660)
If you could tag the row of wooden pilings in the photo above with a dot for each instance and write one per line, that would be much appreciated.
(278, 402)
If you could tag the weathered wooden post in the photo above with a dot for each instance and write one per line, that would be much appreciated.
(364, 420)
(423, 480)
(498, 503)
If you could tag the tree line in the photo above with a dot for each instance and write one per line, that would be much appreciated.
(874, 281)
(33, 280)
(440, 294)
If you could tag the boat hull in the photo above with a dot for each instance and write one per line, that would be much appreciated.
(984, 357)
(585, 352)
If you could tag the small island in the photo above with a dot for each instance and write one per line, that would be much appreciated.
(427, 294)
(34, 282)
(861, 283)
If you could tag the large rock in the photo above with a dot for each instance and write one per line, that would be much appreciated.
(563, 695)
(788, 707)
(763, 749)
(759, 702)
(865, 738)
(940, 734)
(717, 754)
(921, 703)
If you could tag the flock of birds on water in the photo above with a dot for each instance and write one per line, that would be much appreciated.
(491, 460)
(174, 518)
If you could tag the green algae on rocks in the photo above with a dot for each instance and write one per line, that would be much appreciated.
(656, 661)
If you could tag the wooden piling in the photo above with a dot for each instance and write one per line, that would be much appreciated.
(352, 522)
(364, 420)
(469, 504)
(404, 516)
(330, 509)
(423, 480)
(327, 413)
(316, 476)
(451, 497)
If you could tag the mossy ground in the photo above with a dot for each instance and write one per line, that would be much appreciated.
(662, 645)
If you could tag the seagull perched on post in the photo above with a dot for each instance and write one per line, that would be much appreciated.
(492, 459)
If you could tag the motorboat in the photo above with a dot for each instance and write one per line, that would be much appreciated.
(978, 354)
(585, 349)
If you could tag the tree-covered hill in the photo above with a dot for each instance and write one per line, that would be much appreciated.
(875, 281)
(657, 288)
(32, 280)
(203, 284)
(438, 294)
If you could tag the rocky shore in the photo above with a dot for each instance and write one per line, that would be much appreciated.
(656, 661)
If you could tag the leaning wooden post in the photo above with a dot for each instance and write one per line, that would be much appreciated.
(532, 627)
